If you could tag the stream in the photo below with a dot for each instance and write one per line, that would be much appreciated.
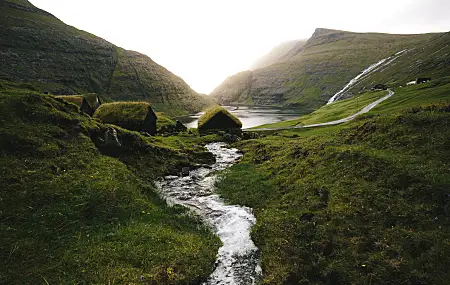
(237, 260)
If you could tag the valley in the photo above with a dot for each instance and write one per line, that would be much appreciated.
(319, 165)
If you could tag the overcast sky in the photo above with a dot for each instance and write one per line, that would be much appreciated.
(205, 41)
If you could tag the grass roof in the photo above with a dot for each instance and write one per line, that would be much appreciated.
(211, 113)
(164, 120)
(92, 99)
(127, 112)
(75, 99)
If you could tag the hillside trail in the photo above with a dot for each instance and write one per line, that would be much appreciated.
(336, 122)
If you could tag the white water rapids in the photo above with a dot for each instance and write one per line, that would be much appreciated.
(374, 67)
(237, 260)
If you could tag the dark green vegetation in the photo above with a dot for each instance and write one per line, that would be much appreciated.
(366, 202)
(218, 118)
(311, 73)
(338, 110)
(75, 210)
(41, 53)
(164, 121)
(431, 59)
(136, 116)
(74, 99)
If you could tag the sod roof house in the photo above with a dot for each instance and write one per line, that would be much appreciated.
(218, 118)
(88, 103)
(135, 116)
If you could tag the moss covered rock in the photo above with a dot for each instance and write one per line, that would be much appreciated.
(218, 118)
(135, 116)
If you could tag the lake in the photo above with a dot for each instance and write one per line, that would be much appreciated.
(249, 116)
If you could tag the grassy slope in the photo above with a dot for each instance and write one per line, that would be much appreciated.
(327, 113)
(328, 61)
(75, 211)
(430, 59)
(362, 203)
(41, 53)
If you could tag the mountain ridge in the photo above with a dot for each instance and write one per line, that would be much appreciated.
(41, 51)
(328, 61)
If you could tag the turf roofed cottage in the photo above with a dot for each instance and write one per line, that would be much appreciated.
(88, 103)
(134, 116)
(218, 118)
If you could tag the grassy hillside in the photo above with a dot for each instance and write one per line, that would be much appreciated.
(327, 62)
(366, 202)
(75, 210)
(42, 53)
(328, 113)
(431, 59)
(408, 96)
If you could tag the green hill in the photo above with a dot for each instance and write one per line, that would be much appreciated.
(365, 202)
(326, 63)
(75, 210)
(40, 52)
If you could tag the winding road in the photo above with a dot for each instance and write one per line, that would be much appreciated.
(337, 122)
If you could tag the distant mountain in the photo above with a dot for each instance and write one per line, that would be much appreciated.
(328, 61)
(282, 52)
(39, 51)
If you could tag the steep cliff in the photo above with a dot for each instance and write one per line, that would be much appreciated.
(40, 52)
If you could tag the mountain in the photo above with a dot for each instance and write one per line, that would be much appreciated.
(324, 65)
(40, 52)
(279, 53)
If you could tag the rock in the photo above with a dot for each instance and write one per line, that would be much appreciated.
(227, 137)
(185, 171)
(111, 138)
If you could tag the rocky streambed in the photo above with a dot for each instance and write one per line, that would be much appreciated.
(237, 260)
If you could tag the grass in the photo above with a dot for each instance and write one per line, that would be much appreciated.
(75, 99)
(432, 92)
(164, 121)
(41, 53)
(366, 202)
(339, 110)
(75, 211)
(208, 120)
(123, 112)
(328, 61)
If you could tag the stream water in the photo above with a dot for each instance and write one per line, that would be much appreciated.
(237, 260)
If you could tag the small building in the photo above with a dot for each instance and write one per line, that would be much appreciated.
(421, 80)
(379, 87)
(91, 102)
(411, 83)
(134, 116)
(88, 103)
(218, 118)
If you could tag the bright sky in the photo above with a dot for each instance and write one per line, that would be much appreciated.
(205, 41)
